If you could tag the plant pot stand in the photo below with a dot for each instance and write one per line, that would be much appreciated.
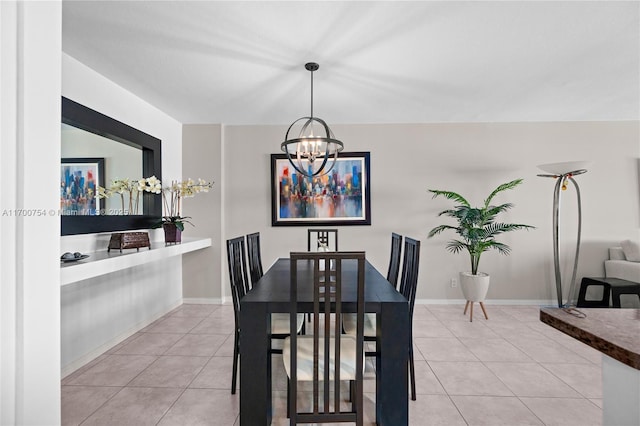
(470, 304)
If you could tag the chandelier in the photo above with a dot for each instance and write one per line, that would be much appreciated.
(312, 149)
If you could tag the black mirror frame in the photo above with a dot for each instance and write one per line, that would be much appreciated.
(84, 118)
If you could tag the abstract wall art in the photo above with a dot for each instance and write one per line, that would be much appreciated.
(79, 179)
(340, 197)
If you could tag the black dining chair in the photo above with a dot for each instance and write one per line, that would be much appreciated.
(370, 334)
(279, 321)
(239, 287)
(317, 238)
(408, 287)
(326, 357)
(254, 257)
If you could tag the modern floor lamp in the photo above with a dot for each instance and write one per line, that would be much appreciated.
(564, 173)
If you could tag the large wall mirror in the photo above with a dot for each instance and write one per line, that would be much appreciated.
(96, 150)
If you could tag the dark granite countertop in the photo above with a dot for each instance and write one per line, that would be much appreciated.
(614, 332)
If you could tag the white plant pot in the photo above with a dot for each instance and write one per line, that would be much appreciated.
(474, 287)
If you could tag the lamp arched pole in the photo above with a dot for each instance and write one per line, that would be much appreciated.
(561, 185)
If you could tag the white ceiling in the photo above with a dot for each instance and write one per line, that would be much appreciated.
(380, 62)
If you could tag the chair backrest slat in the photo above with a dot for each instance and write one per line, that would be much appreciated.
(394, 261)
(409, 280)
(254, 257)
(318, 237)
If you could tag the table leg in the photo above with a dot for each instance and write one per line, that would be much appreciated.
(255, 365)
(392, 395)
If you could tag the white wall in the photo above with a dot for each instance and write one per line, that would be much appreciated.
(471, 159)
(30, 36)
(99, 312)
(130, 299)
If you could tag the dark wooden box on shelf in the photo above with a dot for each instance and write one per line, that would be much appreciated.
(129, 240)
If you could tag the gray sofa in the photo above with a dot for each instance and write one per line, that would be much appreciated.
(617, 266)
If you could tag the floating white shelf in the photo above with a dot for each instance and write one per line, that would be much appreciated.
(103, 262)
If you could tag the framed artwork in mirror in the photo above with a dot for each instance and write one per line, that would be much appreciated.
(79, 181)
(340, 197)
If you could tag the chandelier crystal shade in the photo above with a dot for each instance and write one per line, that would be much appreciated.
(312, 148)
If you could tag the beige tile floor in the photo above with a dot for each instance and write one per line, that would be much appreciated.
(510, 370)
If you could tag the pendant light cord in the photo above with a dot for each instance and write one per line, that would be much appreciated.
(311, 93)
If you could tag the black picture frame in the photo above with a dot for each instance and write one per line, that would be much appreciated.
(71, 190)
(340, 198)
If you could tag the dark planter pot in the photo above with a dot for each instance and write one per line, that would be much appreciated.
(172, 234)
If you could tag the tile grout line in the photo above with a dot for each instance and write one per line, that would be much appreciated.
(442, 318)
(102, 405)
(194, 377)
(498, 378)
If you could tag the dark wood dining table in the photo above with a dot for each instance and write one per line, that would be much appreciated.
(271, 294)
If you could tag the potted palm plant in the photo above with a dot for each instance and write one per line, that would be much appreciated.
(477, 228)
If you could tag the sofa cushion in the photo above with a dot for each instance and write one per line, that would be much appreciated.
(616, 253)
(622, 269)
(631, 250)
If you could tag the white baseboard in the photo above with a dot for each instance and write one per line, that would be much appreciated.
(519, 302)
(203, 300)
